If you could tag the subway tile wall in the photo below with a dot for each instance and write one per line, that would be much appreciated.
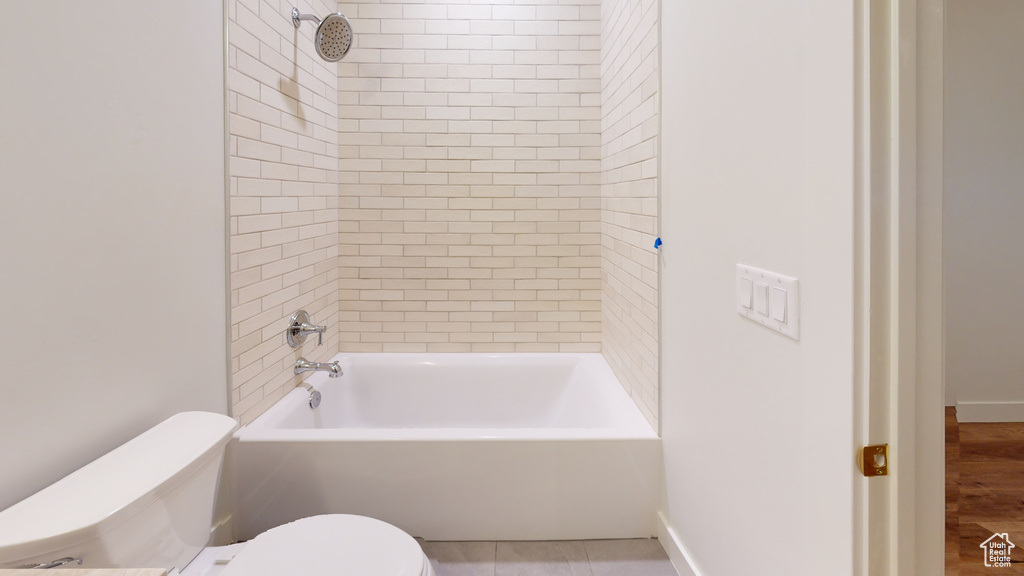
(470, 170)
(283, 103)
(629, 196)
(475, 176)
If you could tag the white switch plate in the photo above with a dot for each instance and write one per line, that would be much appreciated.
(791, 286)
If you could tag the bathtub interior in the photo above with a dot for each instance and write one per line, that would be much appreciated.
(463, 391)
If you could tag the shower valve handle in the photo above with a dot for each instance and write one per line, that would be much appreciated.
(300, 327)
(307, 329)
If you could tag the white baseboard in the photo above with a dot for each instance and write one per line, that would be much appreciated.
(673, 546)
(990, 411)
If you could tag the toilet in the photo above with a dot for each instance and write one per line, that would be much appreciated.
(150, 503)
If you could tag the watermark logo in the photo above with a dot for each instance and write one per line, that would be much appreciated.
(997, 550)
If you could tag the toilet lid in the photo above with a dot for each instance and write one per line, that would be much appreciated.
(331, 545)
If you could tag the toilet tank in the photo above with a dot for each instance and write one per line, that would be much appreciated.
(147, 504)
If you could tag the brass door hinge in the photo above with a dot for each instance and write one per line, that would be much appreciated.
(874, 460)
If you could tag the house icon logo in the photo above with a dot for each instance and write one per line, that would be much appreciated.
(997, 550)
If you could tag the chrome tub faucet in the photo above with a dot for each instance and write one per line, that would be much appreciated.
(333, 369)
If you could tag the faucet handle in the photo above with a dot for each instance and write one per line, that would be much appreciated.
(306, 329)
(300, 327)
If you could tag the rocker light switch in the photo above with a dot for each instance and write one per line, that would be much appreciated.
(746, 293)
(769, 299)
(777, 304)
(761, 299)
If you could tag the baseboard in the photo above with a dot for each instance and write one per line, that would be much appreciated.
(990, 411)
(673, 546)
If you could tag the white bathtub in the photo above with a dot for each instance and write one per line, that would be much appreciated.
(455, 447)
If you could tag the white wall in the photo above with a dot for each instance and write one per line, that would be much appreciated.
(984, 209)
(111, 227)
(758, 158)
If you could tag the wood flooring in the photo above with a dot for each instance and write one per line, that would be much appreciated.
(984, 493)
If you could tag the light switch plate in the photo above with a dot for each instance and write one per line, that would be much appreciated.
(791, 286)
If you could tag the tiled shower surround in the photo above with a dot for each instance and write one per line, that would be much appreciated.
(470, 169)
(629, 196)
(284, 197)
(440, 189)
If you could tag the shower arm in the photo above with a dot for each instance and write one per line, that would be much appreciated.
(298, 18)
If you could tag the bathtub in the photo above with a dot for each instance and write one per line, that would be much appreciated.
(455, 447)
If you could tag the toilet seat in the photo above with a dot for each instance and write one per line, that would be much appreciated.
(329, 545)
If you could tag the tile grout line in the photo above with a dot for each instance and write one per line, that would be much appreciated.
(586, 552)
(494, 560)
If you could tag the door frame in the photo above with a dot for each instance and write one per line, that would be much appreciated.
(918, 345)
(930, 314)
(902, 344)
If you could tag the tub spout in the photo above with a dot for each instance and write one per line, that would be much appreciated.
(333, 369)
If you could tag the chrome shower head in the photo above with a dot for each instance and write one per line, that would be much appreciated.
(334, 37)
(333, 34)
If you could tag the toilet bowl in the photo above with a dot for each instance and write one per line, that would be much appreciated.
(150, 502)
(323, 543)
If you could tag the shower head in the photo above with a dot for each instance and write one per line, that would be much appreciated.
(333, 34)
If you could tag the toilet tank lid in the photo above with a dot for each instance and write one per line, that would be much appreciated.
(160, 456)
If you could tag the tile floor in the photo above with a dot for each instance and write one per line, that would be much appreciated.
(643, 557)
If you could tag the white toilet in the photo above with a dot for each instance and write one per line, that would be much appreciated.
(149, 504)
